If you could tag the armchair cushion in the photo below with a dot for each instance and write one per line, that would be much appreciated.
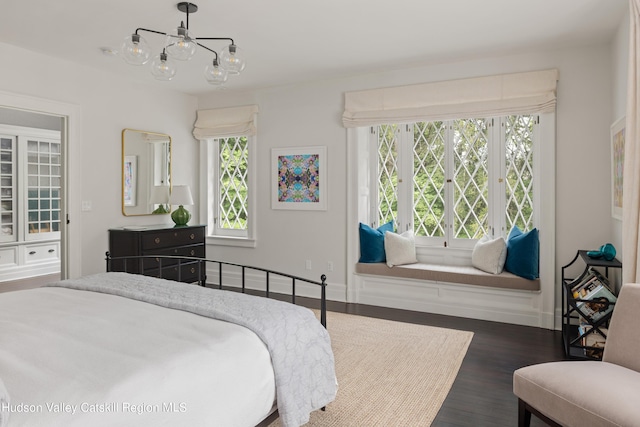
(581, 393)
(590, 393)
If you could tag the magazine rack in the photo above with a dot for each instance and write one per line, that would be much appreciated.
(586, 314)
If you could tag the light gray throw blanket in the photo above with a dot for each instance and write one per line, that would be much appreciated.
(300, 347)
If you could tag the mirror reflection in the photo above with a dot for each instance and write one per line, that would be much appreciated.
(146, 172)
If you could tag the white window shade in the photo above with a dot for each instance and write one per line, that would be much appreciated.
(225, 122)
(519, 93)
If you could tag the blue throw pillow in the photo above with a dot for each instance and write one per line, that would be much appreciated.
(372, 242)
(523, 253)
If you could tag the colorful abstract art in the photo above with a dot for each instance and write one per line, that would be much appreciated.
(299, 178)
(617, 167)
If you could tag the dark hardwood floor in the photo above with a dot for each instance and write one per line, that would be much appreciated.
(482, 394)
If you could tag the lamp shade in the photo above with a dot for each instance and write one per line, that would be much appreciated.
(135, 50)
(159, 194)
(181, 195)
(163, 67)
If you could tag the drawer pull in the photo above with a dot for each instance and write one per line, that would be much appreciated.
(157, 240)
(193, 252)
(193, 270)
(51, 250)
(32, 253)
(193, 236)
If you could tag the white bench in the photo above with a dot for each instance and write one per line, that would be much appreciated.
(450, 274)
(453, 290)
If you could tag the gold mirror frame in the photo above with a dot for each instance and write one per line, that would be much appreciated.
(146, 172)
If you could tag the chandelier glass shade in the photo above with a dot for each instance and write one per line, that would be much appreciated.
(181, 45)
(163, 67)
(135, 50)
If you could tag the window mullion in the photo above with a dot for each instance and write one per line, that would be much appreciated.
(405, 178)
(497, 171)
(449, 174)
(374, 185)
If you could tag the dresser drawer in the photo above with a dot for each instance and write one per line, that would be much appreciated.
(41, 253)
(185, 273)
(197, 251)
(171, 238)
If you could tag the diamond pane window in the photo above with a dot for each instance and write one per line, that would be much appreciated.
(519, 171)
(233, 189)
(453, 182)
(387, 173)
(429, 179)
(471, 189)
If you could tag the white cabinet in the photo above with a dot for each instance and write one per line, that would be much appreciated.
(30, 201)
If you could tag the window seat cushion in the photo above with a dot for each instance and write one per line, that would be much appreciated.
(450, 274)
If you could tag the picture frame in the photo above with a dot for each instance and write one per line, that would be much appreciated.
(299, 178)
(130, 181)
(617, 166)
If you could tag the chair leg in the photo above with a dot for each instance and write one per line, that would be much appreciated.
(524, 415)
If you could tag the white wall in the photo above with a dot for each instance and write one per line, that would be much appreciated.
(310, 115)
(107, 104)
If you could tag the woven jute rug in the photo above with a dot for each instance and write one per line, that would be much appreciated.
(389, 373)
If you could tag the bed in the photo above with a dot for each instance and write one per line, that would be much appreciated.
(119, 349)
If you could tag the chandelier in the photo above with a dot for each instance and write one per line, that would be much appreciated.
(181, 44)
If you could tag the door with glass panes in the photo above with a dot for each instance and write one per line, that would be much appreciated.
(30, 201)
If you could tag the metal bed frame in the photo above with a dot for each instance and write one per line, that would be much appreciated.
(166, 262)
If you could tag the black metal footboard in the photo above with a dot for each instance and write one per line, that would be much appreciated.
(192, 269)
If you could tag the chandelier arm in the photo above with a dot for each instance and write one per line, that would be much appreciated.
(216, 38)
(150, 31)
(209, 49)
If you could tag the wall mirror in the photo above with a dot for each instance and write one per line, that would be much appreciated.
(146, 172)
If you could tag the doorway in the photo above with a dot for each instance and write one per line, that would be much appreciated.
(35, 112)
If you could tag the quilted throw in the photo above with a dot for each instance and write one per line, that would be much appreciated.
(299, 345)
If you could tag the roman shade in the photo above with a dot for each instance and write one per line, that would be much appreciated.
(519, 93)
(225, 122)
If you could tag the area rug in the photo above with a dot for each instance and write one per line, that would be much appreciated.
(389, 373)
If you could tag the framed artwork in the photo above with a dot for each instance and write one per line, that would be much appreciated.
(299, 178)
(617, 167)
(130, 171)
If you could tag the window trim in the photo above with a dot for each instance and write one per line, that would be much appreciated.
(544, 218)
(208, 194)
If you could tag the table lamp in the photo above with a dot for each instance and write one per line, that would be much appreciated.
(181, 195)
(160, 196)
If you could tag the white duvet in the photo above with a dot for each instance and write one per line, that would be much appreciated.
(63, 364)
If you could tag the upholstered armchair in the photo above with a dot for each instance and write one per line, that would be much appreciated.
(589, 393)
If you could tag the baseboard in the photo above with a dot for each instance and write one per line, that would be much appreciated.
(452, 299)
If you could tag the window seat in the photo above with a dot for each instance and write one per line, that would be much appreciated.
(450, 274)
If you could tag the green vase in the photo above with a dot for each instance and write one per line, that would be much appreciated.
(180, 216)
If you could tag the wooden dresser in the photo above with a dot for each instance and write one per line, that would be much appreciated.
(159, 240)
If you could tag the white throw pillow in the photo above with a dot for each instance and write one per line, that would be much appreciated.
(489, 255)
(400, 248)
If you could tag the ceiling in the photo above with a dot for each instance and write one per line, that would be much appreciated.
(293, 41)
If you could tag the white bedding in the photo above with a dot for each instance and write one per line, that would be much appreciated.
(161, 367)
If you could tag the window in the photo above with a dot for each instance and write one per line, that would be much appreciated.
(232, 189)
(227, 148)
(229, 206)
(454, 181)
